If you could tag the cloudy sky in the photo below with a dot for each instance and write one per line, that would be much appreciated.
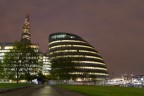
(114, 27)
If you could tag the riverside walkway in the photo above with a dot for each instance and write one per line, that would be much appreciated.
(40, 91)
(32, 91)
(46, 91)
(20, 92)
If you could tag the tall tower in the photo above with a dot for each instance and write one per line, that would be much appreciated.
(26, 38)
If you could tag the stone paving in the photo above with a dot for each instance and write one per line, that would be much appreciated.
(46, 91)
(20, 92)
(40, 91)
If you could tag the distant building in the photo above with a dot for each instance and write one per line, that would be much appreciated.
(25, 38)
(5, 47)
(89, 62)
(138, 79)
(127, 81)
(46, 64)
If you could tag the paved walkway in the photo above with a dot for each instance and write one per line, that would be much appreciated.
(46, 91)
(43, 91)
(20, 92)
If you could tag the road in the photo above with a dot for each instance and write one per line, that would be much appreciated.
(32, 91)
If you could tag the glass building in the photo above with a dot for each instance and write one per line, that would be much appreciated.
(6, 47)
(46, 64)
(88, 61)
(25, 38)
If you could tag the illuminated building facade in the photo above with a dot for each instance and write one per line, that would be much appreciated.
(6, 47)
(26, 31)
(25, 38)
(88, 61)
(46, 64)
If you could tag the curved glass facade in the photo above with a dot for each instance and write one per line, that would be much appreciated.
(88, 61)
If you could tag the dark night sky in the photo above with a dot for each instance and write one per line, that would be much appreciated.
(114, 27)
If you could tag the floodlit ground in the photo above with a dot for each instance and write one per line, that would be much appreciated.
(105, 90)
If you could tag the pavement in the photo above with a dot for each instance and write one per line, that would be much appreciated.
(30, 91)
(26, 91)
(46, 91)
(40, 91)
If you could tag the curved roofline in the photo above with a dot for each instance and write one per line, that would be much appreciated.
(64, 33)
(78, 37)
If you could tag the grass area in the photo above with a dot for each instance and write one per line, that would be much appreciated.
(13, 85)
(104, 90)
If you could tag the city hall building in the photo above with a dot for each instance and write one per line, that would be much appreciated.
(88, 61)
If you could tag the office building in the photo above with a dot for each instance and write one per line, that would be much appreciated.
(25, 38)
(88, 61)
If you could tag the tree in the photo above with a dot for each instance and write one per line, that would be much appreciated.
(20, 60)
(1, 70)
(62, 68)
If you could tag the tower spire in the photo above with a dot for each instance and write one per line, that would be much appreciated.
(26, 38)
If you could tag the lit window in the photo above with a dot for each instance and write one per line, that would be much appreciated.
(66, 41)
(71, 46)
(93, 62)
(26, 36)
(8, 47)
(86, 67)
